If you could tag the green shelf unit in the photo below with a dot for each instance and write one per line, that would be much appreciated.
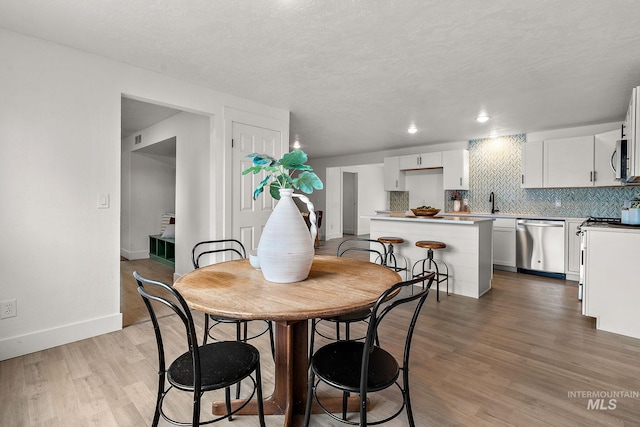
(163, 249)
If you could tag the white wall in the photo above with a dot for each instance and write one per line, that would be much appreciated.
(60, 127)
(425, 187)
(150, 185)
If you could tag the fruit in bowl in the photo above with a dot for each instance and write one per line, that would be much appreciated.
(425, 211)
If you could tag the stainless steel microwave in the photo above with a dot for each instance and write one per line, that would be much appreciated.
(620, 160)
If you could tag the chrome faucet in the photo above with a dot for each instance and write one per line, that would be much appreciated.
(492, 199)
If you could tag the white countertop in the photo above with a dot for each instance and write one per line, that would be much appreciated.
(612, 228)
(449, 219)
(514, 216)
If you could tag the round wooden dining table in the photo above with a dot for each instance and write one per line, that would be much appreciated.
(335, 286)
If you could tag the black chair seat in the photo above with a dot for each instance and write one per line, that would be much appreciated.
(222, 364)
(358, 316)
(339, 365)
(223, 319)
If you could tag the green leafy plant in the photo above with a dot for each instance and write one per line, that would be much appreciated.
(280, 173)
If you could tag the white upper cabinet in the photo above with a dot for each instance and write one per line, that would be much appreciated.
(455, 170)
(394, 179)
(568, 162)
(583, 161)
(604, 148)
(420, 161)
(532, 159)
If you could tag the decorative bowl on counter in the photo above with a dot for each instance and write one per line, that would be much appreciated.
(425, 212)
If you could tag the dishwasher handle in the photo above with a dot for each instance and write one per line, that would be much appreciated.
(539, 223)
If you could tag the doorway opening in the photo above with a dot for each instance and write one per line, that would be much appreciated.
(148, 189)
(349, 203)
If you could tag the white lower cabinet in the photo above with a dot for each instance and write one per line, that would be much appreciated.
(611, 291)
(572, 245)
(504, 243)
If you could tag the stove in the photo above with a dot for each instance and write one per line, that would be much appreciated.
(600, 221)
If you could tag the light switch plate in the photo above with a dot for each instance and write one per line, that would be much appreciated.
(103, 201)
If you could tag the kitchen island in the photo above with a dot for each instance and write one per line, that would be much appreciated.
(469, 246)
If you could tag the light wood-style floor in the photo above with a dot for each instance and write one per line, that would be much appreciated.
(511, 358)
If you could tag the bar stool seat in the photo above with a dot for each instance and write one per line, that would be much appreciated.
(393, 257)
(430, 244)
(429, 261)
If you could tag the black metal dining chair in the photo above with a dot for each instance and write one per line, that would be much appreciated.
(209, 367)
(365, 367)
(352, 247)
(233, 249)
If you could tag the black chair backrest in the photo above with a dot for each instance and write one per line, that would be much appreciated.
(357, 244)
(232, 247)
(387, 302)
(154, 291)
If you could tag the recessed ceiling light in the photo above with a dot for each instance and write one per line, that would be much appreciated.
(412, 129)
(482, 119)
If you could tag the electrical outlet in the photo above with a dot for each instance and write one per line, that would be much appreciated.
(558, 203)
(8, 309)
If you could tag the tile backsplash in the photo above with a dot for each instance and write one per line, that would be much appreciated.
(495, 165)
(398, 200)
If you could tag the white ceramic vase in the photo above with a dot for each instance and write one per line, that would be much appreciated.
(285, 250)
(456, 205)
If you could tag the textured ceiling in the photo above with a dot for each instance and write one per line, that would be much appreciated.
(356, 74)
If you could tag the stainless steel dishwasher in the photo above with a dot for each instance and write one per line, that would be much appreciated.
(540, 247)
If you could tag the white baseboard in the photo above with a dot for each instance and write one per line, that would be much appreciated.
(131, 255)
(334, 236)
(48, 338)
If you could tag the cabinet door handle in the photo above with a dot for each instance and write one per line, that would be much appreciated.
(591, 176)
(461, 182)
(522, 179)
(595, 176)
(396, 183)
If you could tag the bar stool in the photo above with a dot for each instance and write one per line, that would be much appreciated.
(392, 257)
(430, 245)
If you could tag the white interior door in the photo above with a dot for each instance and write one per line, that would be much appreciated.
(249, 216)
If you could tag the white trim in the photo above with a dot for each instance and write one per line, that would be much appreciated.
(133, 255)
(48, 338)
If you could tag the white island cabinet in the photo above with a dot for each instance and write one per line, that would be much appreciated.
(611, 283)
(468, 252)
